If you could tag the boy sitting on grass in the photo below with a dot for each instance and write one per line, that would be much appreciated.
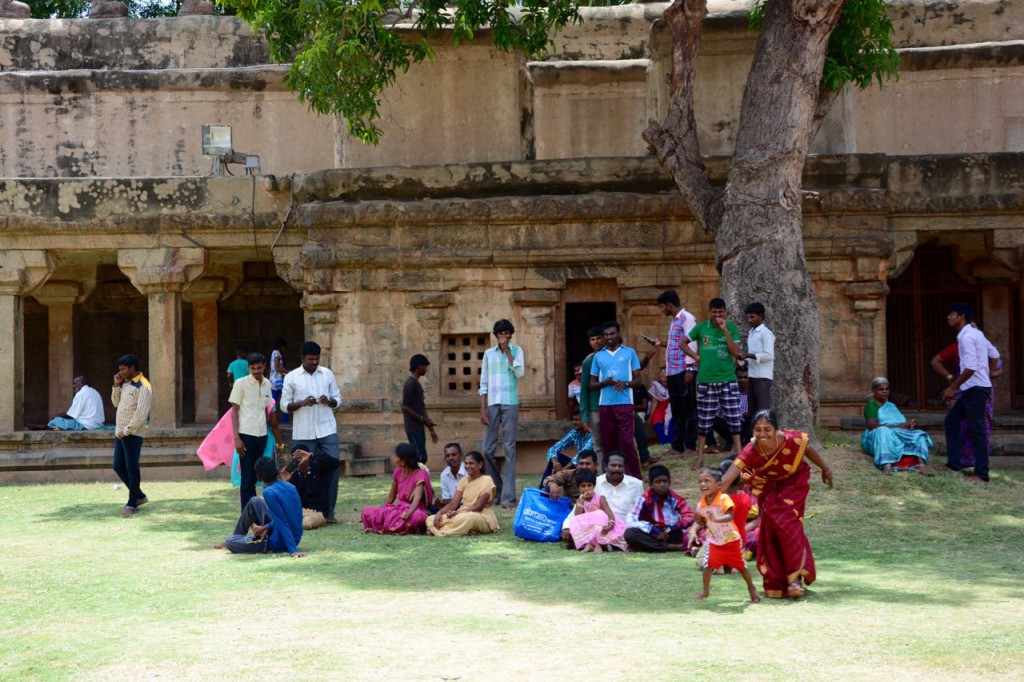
(725, 542)
(272, 523)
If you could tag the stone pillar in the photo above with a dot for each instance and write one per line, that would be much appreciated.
(537, 311)
(869, 306)
(21, 272)
(321, 316)
(204, 295)
(59, 299)
(162, 274)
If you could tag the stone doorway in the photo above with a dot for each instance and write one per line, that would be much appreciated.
(916, 328)
(579, 317)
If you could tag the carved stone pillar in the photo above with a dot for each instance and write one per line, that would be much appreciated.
(59, 298)
(537, 311)
(21, 273)
(203, 295)
(162, 275)
(869, 306)
(321, 316)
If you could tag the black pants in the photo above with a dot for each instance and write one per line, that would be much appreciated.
(564, 460)
(640, 541)
(760, 395)
(127, 451)
(682, 397)
(721, 427)
(419, 439)
(971, 406)
(641, 437)
(255, 446)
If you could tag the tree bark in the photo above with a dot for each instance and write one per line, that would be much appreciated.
(757, 221)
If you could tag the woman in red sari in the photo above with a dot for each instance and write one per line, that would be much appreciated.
(775, 467)
(405, 510)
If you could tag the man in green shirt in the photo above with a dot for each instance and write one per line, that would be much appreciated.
(717, 351)
(589, 397)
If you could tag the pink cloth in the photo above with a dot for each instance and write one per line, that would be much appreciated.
(388, 518)
(219, 445)
(586, 528)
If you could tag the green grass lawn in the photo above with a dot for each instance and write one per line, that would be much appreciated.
(916, 577)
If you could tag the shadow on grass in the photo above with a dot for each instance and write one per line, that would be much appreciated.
(875, 539)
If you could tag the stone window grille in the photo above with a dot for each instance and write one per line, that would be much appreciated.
(462, 356)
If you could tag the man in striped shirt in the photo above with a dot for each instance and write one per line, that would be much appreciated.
(501, 370)
(132, 397)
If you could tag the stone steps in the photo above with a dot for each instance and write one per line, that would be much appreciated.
(39, 456)
(1007, 431)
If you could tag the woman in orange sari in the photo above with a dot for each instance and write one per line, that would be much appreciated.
(775, 467)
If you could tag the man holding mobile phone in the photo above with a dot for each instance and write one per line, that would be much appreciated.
(680, 374)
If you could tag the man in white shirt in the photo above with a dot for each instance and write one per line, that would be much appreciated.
(761, 359)
(86, 411)
(975, 387)
(310, 393)
(451, 474)
(620, 490)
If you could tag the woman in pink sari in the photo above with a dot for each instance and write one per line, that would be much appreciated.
(405, 511)
(775, 467)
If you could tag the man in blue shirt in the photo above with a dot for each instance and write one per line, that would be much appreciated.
(614, 372)
(578, 438)
(272, 523)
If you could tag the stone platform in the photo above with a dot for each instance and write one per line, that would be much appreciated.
(1007, 434)
(168, 454)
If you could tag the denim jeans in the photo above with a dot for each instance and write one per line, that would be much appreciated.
(970, 406)
(127, 451)
(419, 439)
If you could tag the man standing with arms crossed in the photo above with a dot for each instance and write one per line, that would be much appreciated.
(132, 396)
(311, 393)
(500, 373)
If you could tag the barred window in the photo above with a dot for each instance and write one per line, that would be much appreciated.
(461, 358)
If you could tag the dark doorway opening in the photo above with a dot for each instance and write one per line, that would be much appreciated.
(916, 327)
(580, 317)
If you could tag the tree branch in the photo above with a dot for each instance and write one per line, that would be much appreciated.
(675, 140)
(826, 98)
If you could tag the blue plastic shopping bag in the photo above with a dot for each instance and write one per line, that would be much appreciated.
(539, 518)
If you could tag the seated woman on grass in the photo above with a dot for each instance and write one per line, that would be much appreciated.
(471, 511)
(405, 510)
(890, 439)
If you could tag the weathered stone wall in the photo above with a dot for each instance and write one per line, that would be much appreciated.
(126, 98)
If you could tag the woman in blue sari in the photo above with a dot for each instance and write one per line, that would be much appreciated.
(890, 439)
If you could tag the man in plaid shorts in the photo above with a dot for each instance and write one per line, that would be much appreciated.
(717, 350)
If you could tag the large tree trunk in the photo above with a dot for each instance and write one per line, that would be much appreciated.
(756, 219)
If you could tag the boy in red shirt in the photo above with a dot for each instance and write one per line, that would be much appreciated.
(716, 513)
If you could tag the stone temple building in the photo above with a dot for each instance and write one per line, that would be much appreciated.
(503, 187)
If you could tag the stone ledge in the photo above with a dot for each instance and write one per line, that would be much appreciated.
(83, 81)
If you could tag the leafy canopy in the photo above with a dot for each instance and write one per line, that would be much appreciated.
(74, 9)
(344, 53)
(860, 49)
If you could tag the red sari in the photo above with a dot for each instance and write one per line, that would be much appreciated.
(388, 519)
(781, 482)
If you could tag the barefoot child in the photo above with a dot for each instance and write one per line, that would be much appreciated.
(593, 525)
(725, 544)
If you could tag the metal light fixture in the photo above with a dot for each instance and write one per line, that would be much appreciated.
(217, 143)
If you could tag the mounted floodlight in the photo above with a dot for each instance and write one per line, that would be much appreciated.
(217, 143)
